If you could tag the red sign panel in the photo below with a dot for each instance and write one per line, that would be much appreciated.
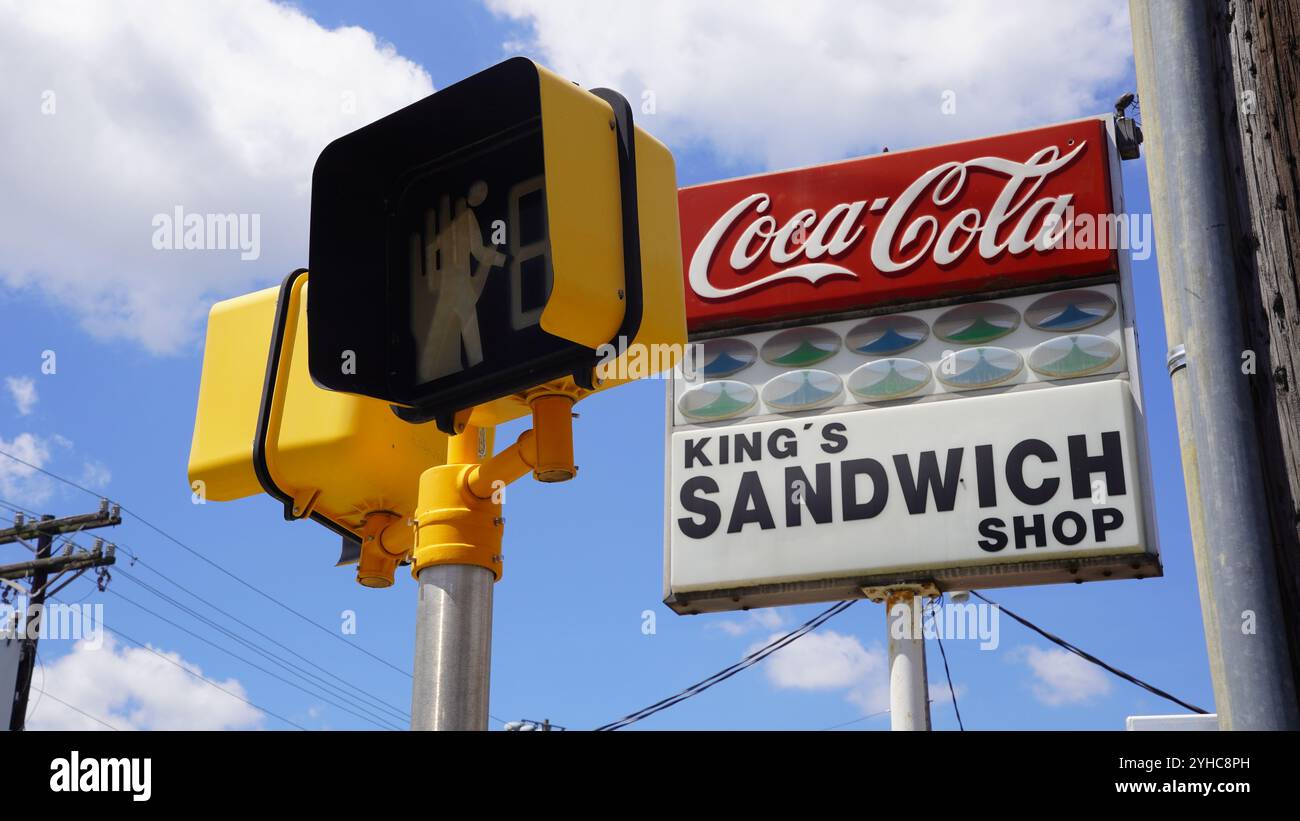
(913, 225)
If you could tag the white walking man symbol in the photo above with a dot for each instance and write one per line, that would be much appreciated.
(445, 285)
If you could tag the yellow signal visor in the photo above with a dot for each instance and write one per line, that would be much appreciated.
(658, 341)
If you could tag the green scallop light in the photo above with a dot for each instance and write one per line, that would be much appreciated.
(800, 347)
(982, 367)
(802, 390)
(886, 379)
(1075, 355)
(723, 399)
(976, 324)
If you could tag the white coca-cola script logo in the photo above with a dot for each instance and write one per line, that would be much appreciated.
(1038, 224)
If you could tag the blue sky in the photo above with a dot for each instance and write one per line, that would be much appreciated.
(584, 558)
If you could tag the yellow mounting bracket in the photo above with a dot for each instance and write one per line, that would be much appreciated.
(385, 541)
(889, 594)
(458, 515)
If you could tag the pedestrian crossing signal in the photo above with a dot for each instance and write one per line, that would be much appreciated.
(487, 240)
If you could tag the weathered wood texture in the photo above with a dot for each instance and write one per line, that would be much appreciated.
(1258, 59)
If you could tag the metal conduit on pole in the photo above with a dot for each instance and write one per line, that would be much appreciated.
(1242, 609)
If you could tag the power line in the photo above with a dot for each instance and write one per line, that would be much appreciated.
(40, 665)
(208, 561)
(21, 512)
(353, 690)
(855, 721)
(192, 551)
(727, 672)
(377, 720)
(200, 677)
(71, 707)
(17, 507)
(348, 695)
(948, 673)
(952, 692)
(1089, 657)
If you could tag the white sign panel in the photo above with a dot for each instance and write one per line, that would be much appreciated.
(967, 428)
(971, 491)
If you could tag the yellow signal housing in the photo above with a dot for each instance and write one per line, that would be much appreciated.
(583, 213)
(230, 393)
(588, 296)
(337, 458)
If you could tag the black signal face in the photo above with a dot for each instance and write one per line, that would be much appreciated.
(430, 255)
(469, 271)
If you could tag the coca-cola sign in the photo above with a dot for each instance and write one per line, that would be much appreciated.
(948, 220)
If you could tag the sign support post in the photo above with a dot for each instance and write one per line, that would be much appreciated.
(909, 699)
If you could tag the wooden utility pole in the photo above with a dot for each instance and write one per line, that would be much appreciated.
(1257, 60)
(45, 563)
(1217, 83)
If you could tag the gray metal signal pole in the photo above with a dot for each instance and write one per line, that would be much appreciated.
(453, 648)
(1189, 170)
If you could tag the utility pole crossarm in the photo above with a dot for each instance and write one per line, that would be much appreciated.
(23, 531)
(98, 557)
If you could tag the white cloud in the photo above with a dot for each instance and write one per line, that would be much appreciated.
(768, 618)
(25, 484)
(941, 697)
(1061, 677)
(831, 661)
(828, 661)
(95, 474)
(23, 391)
(793, 84)
(117, 112)
(732, 627)
(19, 483)
(131, 688)
(820, 661)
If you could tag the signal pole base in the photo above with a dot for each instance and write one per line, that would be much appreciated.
(453, 648)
